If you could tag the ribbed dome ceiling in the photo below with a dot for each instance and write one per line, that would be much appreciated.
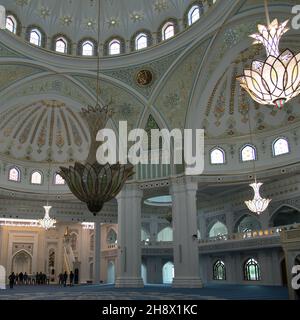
(43, 130)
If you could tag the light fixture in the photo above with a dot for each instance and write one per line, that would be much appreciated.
(276, 80)
(47, 222)
(95, 183)
(257, 204)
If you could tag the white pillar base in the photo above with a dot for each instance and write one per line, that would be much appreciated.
(187, 283)
(129, 283)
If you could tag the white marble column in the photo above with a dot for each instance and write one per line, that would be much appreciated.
(129, 238)
(97, 254)
(186, 253)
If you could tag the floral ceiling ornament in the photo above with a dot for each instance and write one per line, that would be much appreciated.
(91, 182)
(276, 80)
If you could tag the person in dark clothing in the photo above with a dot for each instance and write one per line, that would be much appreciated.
(17, 278)
(71, 278)
(25, 278)
(61, 279)
(65, 278)
(12, 279)
(37, 278)
(21, 277)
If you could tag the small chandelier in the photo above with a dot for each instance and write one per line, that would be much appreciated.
(276, 80)
(258, 204)
(47, 222)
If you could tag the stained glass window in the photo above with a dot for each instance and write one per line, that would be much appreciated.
(14, 174)
(141, 41)
(219, 270)
(36, 178)
(217, 156)
(280, 146)
(114, 47)
(87, 48)
(251, 270)
(248, 153)
(193, 15)
(35, 37)
(11, 24)
(168, 31)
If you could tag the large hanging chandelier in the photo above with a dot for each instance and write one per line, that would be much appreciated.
(94, 183)
(257, 204)
(47, 222)
(276, 80)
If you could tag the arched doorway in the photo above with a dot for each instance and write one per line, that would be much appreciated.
(284, 279)
(22, 262)
(168, 272)
(111, 272)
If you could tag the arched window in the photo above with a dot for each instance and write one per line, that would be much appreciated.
(36, 177)
(61, 45)
(141, 41)
(58, 180)
(14, 174)
(168, 31)
(114, 47)
(111, 237)
(217, 156)
(251, 270)
(11, 24)
(165, 234)
(193, 15)
(218, 229)
(35, 37)
(248, 153)
(280, 146)
(219, 270)
(87, 48)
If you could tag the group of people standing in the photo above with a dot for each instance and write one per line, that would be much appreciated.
(39, 278)
(24, 279)
(63, 278)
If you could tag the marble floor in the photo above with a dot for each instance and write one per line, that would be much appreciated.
(149, 292)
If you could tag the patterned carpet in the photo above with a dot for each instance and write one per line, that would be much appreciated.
(150, 292)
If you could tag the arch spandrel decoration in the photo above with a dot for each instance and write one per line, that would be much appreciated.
(173, 99)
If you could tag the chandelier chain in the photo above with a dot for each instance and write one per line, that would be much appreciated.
(98, 56)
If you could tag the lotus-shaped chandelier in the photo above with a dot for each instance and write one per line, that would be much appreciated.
(257, 204)
(276, 80)
(95, 183)
(47, 222)
(92, 182)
